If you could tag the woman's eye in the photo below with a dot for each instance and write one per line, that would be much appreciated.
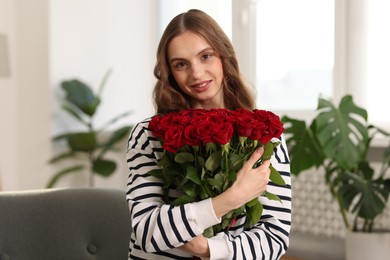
(180, 64)
(206, 56)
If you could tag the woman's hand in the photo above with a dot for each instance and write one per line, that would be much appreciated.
(250, 183)
(197, 247)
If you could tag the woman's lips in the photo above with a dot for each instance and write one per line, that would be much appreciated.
(202, 86)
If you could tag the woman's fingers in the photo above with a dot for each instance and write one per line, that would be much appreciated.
(254, 158)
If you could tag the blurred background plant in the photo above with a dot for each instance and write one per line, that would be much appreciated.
(338, 140)
(87, 150)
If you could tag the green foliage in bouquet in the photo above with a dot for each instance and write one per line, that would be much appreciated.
(204, 170)
(338, 140)
(201, 178)
(87, 149)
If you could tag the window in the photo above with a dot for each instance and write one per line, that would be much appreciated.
(378, 62)
(295, 50)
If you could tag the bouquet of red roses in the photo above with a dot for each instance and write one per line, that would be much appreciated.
(204, 149)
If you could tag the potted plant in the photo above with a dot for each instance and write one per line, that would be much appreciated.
(338, 140)
(87, 149)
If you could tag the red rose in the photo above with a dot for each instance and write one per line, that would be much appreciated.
(259, 128)
(198, 119)
(173, 138)
(181, 118)
(191, 136)
(155, 127)
(276, 126)
(245, 124)
(204, 131)
(222, 133)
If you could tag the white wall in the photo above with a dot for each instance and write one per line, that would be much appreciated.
(8, 104)
(25, 121)
(52, 40)
(89, 37)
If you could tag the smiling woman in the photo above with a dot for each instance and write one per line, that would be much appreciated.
(197, 67)
(197, 70)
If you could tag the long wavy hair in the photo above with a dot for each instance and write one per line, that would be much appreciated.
(167, 94)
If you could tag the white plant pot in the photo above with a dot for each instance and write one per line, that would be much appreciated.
(367, 246)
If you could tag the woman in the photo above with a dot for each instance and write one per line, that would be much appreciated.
(197, 68)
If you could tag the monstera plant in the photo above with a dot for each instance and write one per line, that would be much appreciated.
(86, 150)
(338, 140)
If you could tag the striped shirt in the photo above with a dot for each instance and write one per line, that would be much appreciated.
(158, 229)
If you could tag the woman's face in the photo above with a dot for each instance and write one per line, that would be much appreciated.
(197, 70)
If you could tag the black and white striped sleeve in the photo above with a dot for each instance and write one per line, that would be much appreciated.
(269, 239)
(156, 226)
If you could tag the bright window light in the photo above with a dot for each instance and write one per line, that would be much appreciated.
(295, 53)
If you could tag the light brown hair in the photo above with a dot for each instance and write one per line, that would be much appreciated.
(167, 94)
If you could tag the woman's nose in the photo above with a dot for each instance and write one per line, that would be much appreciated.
(197, 70)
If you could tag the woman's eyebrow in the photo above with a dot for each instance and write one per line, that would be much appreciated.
(199, 53)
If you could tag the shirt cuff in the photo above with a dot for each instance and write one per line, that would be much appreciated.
(205, 215)
(219, 249)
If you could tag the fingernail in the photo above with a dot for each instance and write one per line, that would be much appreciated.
(260, 149)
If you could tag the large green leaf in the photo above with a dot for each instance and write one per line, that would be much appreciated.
(214, 161)
(362, 196)
(81, 142)
(104, 167)
(342, 132)
(81, 96)
(184, 157)
(304, 150)
(192, 174)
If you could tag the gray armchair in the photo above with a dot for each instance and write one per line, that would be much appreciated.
(64, 224)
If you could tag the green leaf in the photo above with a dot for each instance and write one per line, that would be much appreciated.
(62, 156)
(214, 161)
(269, 150)
(236, 161)
(104, 167)
(193, 175)
(366, 197)
(232, 175)
(62, 173)
(254, 212)
(183, 200)
(81, 142)
(191, 189)
(217, 181)
(116, 137)
(208, 232)
(252, 202)
(81, 96)
(342, 132)
(74, 113)
(272, 196)
(158, 173)
(205, 191)
(304, 150)
(275, 177)
(184, 157)
(103, 82)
